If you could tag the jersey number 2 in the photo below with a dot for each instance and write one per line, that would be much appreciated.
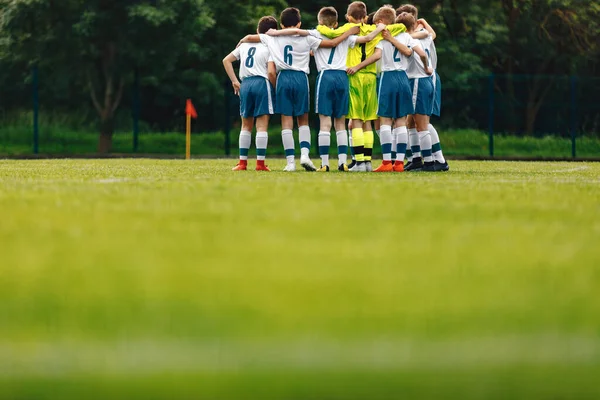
(287, 56)
(397, 56)
(250, 59)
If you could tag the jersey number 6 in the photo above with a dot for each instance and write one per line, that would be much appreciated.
(287, 56)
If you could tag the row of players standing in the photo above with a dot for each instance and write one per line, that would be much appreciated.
(379, 74)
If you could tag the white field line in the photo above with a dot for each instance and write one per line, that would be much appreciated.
(62, 358)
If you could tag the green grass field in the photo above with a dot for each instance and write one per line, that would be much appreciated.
(171, 279)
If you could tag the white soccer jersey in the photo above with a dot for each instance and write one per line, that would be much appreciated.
(431, 52)
(332, 59)
(291, 52)
(254, 59)
(416, 69)
(391, 58)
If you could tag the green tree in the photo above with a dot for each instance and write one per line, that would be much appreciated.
(99, 43)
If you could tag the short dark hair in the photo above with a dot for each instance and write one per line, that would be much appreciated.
(266, 23)
(408, 20)
(408, 8)
(357, 10)
(290, 17)
(370, 18)
(328, 16)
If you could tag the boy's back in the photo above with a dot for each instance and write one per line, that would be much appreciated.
(254, 60)
(291, 52)
(334, 59)
(391, 59)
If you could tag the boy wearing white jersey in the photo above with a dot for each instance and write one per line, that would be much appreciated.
(394, 92)
(291, 55)
(416, 163)
(257, 94)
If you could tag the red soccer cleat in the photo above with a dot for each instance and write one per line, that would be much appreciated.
(241, 166)
(399, 166)
(260, 166)
(385, 167)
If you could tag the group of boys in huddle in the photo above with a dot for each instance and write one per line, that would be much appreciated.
(377, 71)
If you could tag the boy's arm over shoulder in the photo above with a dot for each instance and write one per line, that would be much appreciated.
(334, 33)
(336, 42)
(371, 36)
(396, 29)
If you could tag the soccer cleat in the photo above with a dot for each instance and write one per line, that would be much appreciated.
(352, 164)
(369, 166)
(441, 167)
(290, 168)
(307, 164)
(399, 166)
(324, 168)
(408, 164)
(262, 167)
(359, 168)
(343, 168)
(242, 165)
(415, 166)
(385, 167)
(429, 167)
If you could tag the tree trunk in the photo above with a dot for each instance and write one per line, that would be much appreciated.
(107, 129)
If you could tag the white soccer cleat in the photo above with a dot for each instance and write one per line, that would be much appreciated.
(359, 168)
(290, 168)
(368, 166)
(307, 164)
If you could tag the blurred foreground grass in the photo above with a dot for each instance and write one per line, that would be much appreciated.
(172, 279)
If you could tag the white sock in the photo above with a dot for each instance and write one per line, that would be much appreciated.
(401, 142)
(425, 139)
(245, 142)
(350, 146)
(414, 142)
(394, 146)
(262, 140)
(324, 145)
(342, 143)
(304, 135)
(386, 142)
(287, 137)
(436, 147)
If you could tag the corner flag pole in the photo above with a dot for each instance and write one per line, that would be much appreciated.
(190, 112)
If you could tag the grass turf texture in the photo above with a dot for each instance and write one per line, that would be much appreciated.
(172, 279)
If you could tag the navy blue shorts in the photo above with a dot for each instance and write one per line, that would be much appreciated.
(423, 94)
(394, 95)
(332, 94)
(293, 93)
(437, 101)
(256, 97)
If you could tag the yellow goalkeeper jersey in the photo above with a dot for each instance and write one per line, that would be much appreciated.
(361, 52)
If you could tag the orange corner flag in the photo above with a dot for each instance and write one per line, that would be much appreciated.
(190, 110)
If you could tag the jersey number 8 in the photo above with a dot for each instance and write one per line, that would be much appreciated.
(287, 56)
(250, 59)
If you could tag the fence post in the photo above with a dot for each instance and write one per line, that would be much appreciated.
(136, 109)
(227, 125)
(573, 116)
(36, 109)
(491, 113)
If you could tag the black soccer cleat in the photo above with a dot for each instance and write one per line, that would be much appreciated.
(441, 167)
(415, 166)
(429, 167)
(352, 164)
